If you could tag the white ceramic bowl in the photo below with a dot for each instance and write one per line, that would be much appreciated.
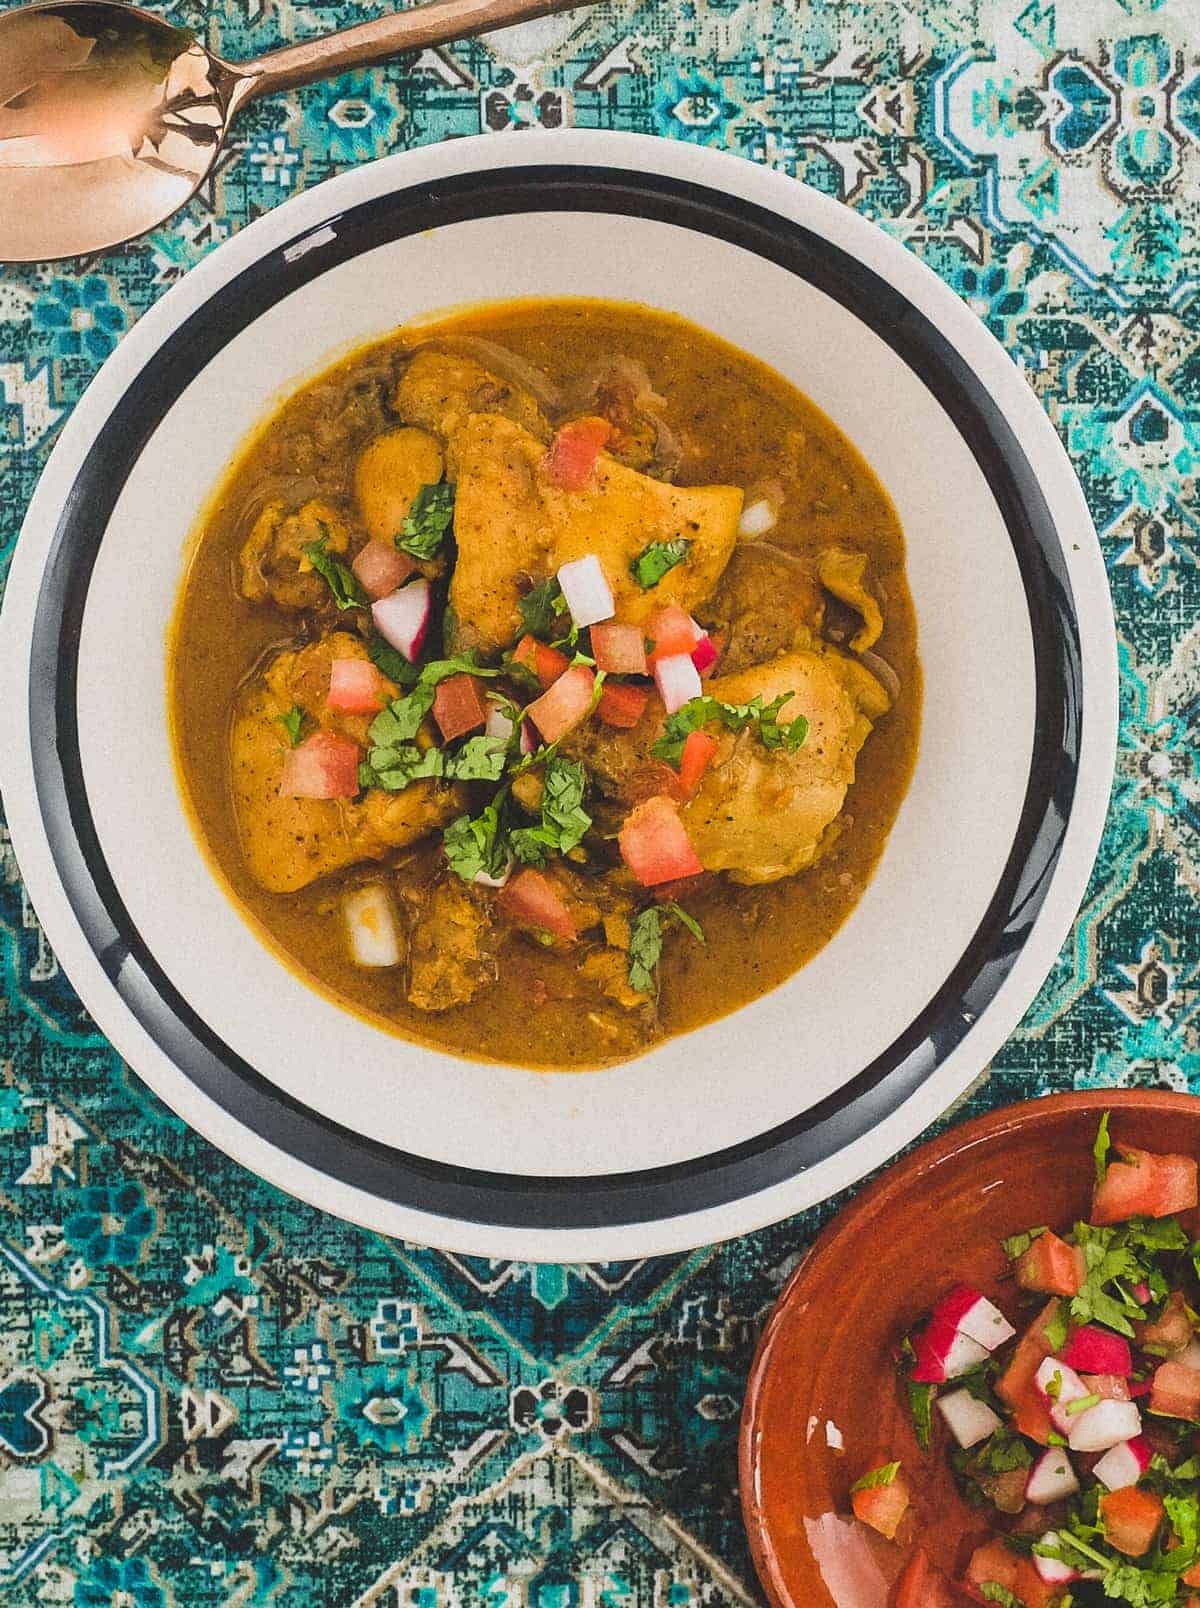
(755, 1116)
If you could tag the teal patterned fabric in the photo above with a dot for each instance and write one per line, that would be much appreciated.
(211, 1395)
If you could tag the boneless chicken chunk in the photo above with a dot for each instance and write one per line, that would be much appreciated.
(439, 391)
(289, 842)
(390, 471)
(513, 524)
(273, 563)
(760, 814)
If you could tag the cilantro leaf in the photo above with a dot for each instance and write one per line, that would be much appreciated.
(990, 1591)
(646, 940)
(292, 722)
(339, 577)
(391, 662)
(1101, 1148)
(564, 819)
(702, 711)
(1001, 1453)
(427, 521)
(475, 843)
(401, 720)
(920, 1407)
(657, 560)
(885, 1475)
(1108, 1261)
(540, 609)
(394, 769)
(480, 759)
(1015, 1246)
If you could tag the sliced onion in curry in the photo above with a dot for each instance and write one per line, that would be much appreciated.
(507, 365)
(882, 671)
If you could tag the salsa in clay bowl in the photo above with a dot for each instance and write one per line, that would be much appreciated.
(1020, 1426)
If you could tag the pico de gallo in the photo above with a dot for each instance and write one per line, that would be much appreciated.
(1069, 1407)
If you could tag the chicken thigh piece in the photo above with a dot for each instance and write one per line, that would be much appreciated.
(511, 523)
(290, 842)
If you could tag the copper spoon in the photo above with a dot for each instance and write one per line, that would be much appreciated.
(111, 119)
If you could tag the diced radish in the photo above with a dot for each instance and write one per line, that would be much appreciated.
(571, 460)
(322, 766)
(529, 740)
(1143, 1293)
(1106, 1424)
(1130, 1519)
(698, 751)
(1139, 1388)
(531, 899)
(969, 1421)
(882, 1506)
(704, 654)
(498, 723)
(546, 663)
(564, 704)
(1052, 1570)
(371, 926)
(380, 568)
(1051, 1265)
(402, 618)
(622, 704)
(1176, 1391)
(678, 681)
(458, 706)
(1051, 1478)
(1094, 1350)
(971, 1313)
(355, 688)
(757, 518)
(1060, 1386)
(1124, 1464)
(672, 631)
(586, 590)
(620, 650)
(654, 844)
(943, 1353)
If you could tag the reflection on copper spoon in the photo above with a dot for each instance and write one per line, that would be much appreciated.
(110, 118)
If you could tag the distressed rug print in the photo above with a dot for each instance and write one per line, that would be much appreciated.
(212, 1395)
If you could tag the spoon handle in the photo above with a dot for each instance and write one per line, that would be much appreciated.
(435, 23)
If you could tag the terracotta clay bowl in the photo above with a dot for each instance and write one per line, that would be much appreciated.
(823, 1404)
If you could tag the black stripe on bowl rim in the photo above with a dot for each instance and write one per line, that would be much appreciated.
(563, 1201)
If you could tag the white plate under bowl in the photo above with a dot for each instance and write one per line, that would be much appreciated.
(755, 1116)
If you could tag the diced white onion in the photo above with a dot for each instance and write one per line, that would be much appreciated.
(586, 590)
(486, 881)
(968, 1420)
(371, 927)
(757, 518)
(678, 681)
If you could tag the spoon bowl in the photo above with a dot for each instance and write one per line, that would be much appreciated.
(111, 118)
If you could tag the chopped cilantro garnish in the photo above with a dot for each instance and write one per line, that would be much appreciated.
(292, 722)
(990, 1591)
(401, 720)
(920, 1407)
(1016, 1245)
(427, 521)
(1111, 1264)
(1079, 1405)
(564, 819)
(656, 560)
(1101, 1148)
(391, 662)
(541, 608)
(702, 711)
(475, 843)
(1056, 1328)
(339, 577)
(877, 1477)
(646, 941)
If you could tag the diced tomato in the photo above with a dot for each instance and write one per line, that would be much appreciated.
(546, 663)
(672, 631)
(698, 750)
(1109, 1387)
(882, 1506)
(323, 766)
(619, 649)
(564, 704)
(1170, 1330)
(655, 845)
(531, 898)
(994, 1564)
(458, 706)
(380, 567)
(1144, 1184)
(1016, 1385)
(355, 688)
(1053, 1266)
(1131, 1518)
(1191, 1577)
(571, 460)
(1176, 1391)
(622, 704)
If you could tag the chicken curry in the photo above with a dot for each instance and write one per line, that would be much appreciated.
(544, 681)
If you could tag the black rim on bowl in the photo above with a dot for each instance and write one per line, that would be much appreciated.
(564, 1201)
